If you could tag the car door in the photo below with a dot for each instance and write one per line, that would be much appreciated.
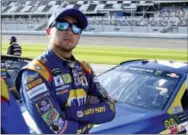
(178, 110)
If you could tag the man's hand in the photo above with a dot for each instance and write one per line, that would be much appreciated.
(92, 100)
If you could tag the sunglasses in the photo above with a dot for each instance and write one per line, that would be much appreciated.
(64, 25)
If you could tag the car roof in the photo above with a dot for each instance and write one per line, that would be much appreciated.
(12, 57)
(171, 66)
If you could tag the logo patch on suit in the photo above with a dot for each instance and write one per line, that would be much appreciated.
(33, 83)
(50, 116)
(44, 105)
(58, 81)
(80, 114)
(41, 88)
(67, 78)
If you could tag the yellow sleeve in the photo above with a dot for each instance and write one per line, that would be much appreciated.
(4, 90)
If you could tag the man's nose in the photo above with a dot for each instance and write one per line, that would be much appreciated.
(69, 30)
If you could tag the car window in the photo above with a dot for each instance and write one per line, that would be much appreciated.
(141, 87)
(11, 67)
(184, 100)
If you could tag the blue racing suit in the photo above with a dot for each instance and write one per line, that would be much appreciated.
(55, 91)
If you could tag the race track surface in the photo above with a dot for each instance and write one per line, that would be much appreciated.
(110, 41)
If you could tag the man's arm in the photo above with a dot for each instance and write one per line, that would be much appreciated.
(43, 106)
(9, 50)
(99, 113)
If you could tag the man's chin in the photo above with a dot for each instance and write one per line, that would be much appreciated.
(67, 49)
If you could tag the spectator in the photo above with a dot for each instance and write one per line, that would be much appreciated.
(14, 48)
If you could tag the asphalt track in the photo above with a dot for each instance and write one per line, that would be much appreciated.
(111, 41)
(181, 44)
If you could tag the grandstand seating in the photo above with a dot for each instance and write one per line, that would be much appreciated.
(111, 14)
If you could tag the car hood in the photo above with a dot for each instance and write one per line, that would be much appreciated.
(129, 116)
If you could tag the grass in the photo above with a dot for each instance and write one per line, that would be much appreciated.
(108, 54)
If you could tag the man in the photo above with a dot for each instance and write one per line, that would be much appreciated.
(60, 92)
(12, 121)
(14, 48)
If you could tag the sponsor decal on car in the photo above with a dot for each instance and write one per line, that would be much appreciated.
(37, 90)
(33, 83)
(173, 129)
(169, 122)
(177, 109)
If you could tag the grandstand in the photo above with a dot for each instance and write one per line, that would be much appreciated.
(119, 16)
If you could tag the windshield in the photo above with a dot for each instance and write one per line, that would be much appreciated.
(141, 87)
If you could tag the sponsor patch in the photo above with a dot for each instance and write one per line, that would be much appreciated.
(57, 125)
(62, 92)
(31, 77)
(67, 78)
(56, 71)
(37, 90)
(112, 107)
(77, 81)
(50, 116)
(33, 83)
(37, 67)
(40, 96)
(44, 105)
(63, 87)
(58, 81)
(80, 114)
(84, 81)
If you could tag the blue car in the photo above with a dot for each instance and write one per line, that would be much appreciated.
(151, 97)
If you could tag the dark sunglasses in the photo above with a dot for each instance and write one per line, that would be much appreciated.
(64, 25)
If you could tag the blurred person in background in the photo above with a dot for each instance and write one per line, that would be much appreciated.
(60, 92)
(14, 48)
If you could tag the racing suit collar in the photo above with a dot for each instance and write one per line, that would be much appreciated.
(60, 59)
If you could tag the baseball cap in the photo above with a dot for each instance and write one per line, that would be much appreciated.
(13, 38)
(78, 15)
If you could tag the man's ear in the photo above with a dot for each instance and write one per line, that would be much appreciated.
(48, 32)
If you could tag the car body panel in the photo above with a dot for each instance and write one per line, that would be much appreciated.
(171, 119)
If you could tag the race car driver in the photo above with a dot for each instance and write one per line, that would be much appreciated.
(60, 92)
(12, 121)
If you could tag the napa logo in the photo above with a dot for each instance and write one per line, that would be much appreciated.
(77, 97)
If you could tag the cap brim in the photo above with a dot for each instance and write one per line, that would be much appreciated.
(78, 15)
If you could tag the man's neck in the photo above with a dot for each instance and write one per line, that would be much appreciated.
(62, 53)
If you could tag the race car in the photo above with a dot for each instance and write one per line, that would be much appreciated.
(151, 97)
(10, 66)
